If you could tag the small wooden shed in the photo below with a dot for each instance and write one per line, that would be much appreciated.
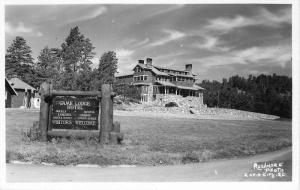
(25, 93)
(9, 93)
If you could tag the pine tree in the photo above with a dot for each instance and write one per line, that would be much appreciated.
(49, 62)
(77, 51)
(18, 60)
(48, 65)
(107, 68)
(76, 54)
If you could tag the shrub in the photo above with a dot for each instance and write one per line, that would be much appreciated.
(33, 133)
(190, 157)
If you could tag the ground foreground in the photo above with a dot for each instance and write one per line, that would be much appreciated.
(150, 139)
(228, 170)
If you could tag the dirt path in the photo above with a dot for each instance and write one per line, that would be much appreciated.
(222, 170)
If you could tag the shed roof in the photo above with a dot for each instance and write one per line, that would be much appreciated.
(10, 87)
(17, 83)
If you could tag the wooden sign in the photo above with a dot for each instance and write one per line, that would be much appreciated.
(71, 112)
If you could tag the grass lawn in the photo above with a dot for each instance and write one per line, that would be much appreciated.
(150, 141)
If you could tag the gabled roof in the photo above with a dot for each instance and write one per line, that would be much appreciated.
(160, 67)
(152, 68)
(19, 84)
(179, 70)
(10, 88)
(157, 72)
(141, 65)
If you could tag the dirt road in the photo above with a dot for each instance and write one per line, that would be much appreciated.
(221, 170)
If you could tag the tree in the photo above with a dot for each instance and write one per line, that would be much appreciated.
(48, 62)
(270, 94)
(107, 68)
(77, 51)
(18, 60)
(76, 54)
(48, 65)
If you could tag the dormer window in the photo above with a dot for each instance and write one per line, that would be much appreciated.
(138, 69)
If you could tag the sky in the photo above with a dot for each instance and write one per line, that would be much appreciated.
(219, 40)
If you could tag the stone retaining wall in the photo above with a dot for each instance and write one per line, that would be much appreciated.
(183, 102)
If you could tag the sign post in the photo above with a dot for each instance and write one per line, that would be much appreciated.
(44, 111)
(106, 120)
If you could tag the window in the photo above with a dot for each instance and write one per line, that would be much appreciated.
(138, 69)
(140, 78)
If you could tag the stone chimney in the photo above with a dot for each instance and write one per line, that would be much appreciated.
(189, 67)
(149, 62)
(141, 61)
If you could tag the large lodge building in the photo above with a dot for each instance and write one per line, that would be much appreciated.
(156, 82)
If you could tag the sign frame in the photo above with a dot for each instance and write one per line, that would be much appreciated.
(105, 126)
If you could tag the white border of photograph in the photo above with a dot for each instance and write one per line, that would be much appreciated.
(166, 185)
